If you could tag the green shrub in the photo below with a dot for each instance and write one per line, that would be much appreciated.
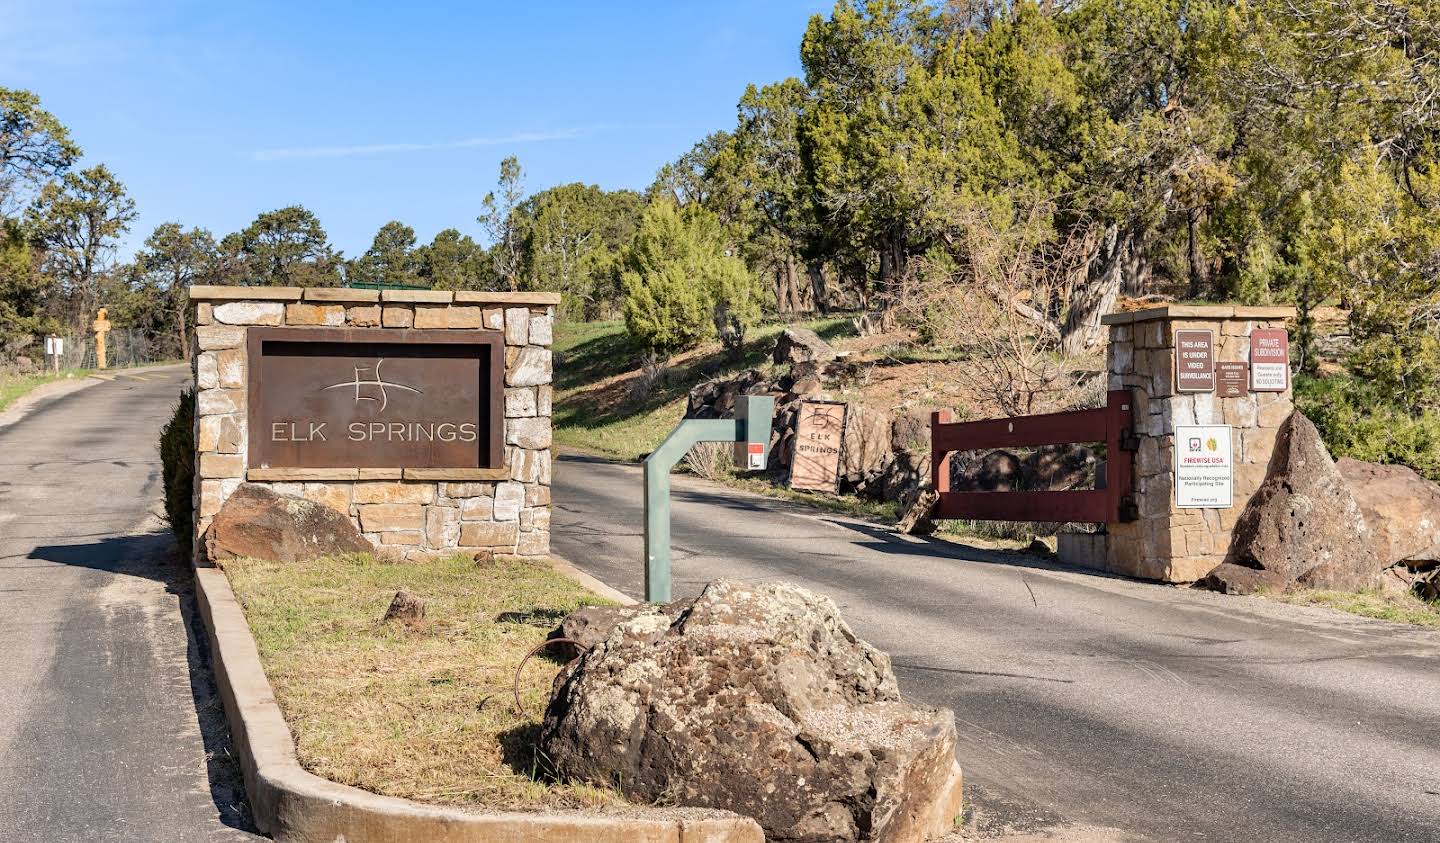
(682, 284)
(177, 460)
(1355, 422)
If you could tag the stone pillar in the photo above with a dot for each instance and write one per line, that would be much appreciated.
(404, 510)
(1169, 543)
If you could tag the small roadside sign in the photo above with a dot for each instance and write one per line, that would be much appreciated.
(1204, 467)
(1269, 360)
(755, 453)
(1232, 380)
(1195, 361)
(815, 460)
(54, 345)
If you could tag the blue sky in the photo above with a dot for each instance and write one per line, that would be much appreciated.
(213, 112)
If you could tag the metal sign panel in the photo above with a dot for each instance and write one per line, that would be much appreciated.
(1232, 380)
(1269, 360)
(1195, 361)
(375, 398)
(1204, 467)
(815, 462)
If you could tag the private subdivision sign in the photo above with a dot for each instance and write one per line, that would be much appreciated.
(815, 462)
(1204, 467)
(1195, 361)
(1269, 360)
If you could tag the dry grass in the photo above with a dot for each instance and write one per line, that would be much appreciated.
(14, 385)
(1383, 605)
(423, 713)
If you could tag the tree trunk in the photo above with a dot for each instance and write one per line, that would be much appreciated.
(798, 299)
(1197, 268)
(892, 282)
(782, 292)
(1096, 297)
(184, 345)
(816, 270)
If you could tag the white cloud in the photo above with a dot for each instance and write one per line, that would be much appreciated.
(307, 152)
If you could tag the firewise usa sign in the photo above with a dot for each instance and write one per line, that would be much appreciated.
(1204, 467)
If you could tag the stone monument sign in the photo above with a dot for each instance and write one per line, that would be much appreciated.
(421, 415)
(376, 398)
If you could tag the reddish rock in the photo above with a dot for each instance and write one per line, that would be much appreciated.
(258, 523)
(865, 448)
(1401, 508)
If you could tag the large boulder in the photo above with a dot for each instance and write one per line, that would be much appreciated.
(1401, 508)
(796, 345)
(1302, 527)
(865, 447)
(906, 474)
(589, 626)
(757, 699)
(996, 471)
(258, 523)
(1058, 468)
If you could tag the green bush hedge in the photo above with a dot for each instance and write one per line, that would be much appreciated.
(177, 460)
(1355, 422)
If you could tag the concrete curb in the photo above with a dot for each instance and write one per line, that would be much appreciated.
(291, 804)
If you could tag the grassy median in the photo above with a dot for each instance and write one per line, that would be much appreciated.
(423, 712)
(13, 385)
(1372, 603)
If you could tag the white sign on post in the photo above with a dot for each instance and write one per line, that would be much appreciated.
(54, 345)
(1204, 467)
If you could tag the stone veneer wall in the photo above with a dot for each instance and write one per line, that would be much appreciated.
(411, 512)
(1169, 543)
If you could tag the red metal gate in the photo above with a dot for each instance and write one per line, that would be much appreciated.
(1110, 503)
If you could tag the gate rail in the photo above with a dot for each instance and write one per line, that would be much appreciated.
(1111, 502)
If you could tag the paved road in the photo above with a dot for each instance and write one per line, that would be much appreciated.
(1081, 700)
(109, 727)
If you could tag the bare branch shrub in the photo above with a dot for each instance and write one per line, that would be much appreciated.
(996, 293)
(654, 371)
(711, 460)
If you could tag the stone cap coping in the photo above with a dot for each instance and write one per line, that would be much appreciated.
(1197, 311)
(225, 292)
(290, 803)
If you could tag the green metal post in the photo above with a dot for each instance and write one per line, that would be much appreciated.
(751, 425)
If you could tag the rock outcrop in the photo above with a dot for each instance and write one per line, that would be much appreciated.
(801, 345)
(756, 699)
(865, 446)
(1401, 508)
(258, 523)
(1302, 527)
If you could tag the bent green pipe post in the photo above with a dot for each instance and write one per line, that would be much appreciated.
(750, 426)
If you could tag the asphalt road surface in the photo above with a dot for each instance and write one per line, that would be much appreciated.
(109, 725)
(1087, 706)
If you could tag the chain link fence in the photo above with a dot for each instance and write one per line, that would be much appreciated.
(122, 348)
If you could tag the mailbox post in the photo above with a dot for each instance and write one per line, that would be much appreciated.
(749, 430)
